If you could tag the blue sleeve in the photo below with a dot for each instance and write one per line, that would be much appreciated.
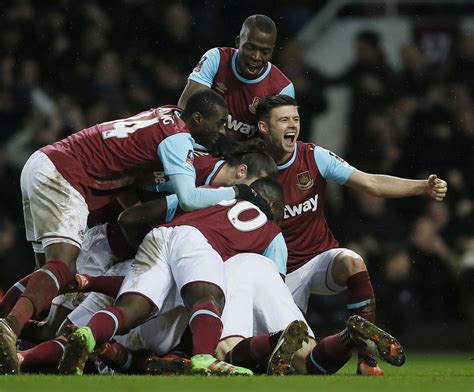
(278, 253)
(289, 90)
(192, 198)
(172, 206)
(207, 67)
(331, 166)
(176, 154)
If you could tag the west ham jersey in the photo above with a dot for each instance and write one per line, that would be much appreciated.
(101, 160)
(237, 226)
(303, 177)
(217, 69)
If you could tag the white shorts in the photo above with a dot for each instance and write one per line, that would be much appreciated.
(53, 210)
(94, 259)
(161, 334)
(257, 301)
(170, 258)
(315, 277)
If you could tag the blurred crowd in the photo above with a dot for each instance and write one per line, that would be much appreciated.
(65, 65)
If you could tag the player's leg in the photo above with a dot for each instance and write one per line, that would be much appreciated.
(259, 317)
(199, 274)
(55, 214)
(330, 273)
(349, 269)
(145, 288)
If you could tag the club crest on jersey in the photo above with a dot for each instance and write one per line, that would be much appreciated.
(304, 180)
(253, 105)
(198, 67)
(221, 87)
(190, 158)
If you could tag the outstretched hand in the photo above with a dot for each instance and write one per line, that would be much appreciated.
(436, 188)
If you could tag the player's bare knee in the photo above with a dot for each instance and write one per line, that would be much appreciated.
(344, 266)
(136, 309)
(198, 292)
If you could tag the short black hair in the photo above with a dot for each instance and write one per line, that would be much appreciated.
(262, 22)
(270, 102)
(203, 101)
(272, 191)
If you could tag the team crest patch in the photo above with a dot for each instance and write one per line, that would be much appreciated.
(198, 67)
(304, 180)
(190, 158)
(253, 105)
(221, 87)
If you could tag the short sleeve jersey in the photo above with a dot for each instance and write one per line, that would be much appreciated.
(303, 177)
(217, 69)
(231, 227)
(101, 160)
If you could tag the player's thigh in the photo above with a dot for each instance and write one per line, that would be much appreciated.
(314, 277)
(54, 211)
(150, 274)
(193, 259)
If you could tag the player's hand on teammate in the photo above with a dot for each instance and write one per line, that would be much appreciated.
(436, 188)
(245, 192)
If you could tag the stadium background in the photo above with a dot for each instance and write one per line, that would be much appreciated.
(388, 86)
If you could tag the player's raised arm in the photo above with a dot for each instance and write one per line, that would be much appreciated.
(202, 76)
(389, 186)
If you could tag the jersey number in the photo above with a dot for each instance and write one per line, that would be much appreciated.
(250, 225)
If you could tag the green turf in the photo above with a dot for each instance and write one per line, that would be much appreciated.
(422, 372)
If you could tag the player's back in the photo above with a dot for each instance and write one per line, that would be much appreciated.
(105, 156)
(231, 227)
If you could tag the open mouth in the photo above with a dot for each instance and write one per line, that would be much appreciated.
(290, 138)
(253, 69)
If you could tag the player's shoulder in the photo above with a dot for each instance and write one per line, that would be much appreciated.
(169, 120)
(278, 75)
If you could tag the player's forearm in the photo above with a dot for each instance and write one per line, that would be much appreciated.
(192, 198)
(393, 187)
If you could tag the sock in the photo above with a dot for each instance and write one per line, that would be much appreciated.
(106, 323)
(361, 299)
(252, 351)
(43, 285)
(206, 327)
(45, 354)
(330, 354)
(11, 296)
(108, 285)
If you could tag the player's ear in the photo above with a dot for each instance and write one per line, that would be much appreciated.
(237, 41)
(242, 171)
(197, 118)
(262, 127)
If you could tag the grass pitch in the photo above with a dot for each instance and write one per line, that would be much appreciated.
(422, 372)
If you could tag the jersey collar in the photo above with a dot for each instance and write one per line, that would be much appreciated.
(248, 81)
(290, 162)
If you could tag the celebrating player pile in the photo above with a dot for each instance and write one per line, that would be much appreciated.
(210, 261)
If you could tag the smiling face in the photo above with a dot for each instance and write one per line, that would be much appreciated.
(255, 50)
(281, 132)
